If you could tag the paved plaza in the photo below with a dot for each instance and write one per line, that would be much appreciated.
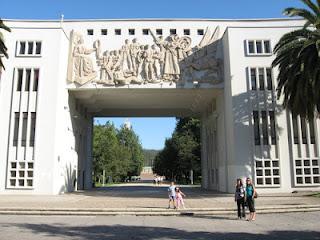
(268, 226)
(148, 196)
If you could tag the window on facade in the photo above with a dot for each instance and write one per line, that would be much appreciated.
(19, 79)
(131, 31)
(253, 76)
(259, 46)
(32, 128)
(38, 48)
(200, 32)
(303, 130)
(173, 31)
(117, 31)
(30, 48)
(264, 127)
(35, 80)
(28, 78)
(251, 47)
(24, 129)
(145, 31)
(312, 132)
(186, 31)
(90, 32)
(256, 127)
(22, 49)
(16, 129)
(159, 31)
(295, 130)
(267, 48)
(104, 31)
(269, 78)
(272, 127)
(261, 78)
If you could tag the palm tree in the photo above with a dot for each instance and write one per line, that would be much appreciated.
(3, 48)
(298, 60)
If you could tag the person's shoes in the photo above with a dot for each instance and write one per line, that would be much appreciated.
(168, 207)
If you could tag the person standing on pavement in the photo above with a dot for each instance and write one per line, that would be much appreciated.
(239, 197)
(172, 195)
(250, 195)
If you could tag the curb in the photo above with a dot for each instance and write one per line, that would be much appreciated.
(150, 212)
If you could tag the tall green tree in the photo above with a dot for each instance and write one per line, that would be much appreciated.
(129, 140)
(298, 60)
(181, 153)
(3, 48)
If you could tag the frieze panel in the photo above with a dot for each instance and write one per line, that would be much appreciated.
(170, 59)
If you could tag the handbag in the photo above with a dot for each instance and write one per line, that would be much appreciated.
(255, 194)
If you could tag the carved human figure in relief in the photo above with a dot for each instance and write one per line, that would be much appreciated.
(157, 57)
(134, 51)
(127, 63)
(82, 63)
(148, 64)
(106, 64)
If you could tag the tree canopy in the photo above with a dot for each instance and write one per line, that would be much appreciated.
(117, 152)
(181, 153)
(3, 48)
(298, 60)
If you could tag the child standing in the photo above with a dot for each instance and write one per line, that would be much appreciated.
(179, 198)
(172, 194)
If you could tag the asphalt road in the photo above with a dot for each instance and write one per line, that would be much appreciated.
(291, 226)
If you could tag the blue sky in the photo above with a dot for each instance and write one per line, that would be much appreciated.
(52, 9)
(152, 131)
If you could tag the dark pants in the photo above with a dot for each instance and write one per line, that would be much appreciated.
(250, 202)
(240, 204)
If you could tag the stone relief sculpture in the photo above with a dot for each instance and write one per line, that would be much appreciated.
(80, 60)
(170, 59)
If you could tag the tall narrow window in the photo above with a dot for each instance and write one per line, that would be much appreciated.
(253, 76)
(30, 48)
(264, 127)
(28, 78)
(273, 127)
(22, 48)
(16, 129)
(35, 80)
(303, 130)
(267, 48)
(19, 82)
(312, 132)
(261, 78)
(251, 47)
(256, 127)
(269, 79)
(38, 48)
(295, 130)
(24, 129)
(32, 128)
(259, 46)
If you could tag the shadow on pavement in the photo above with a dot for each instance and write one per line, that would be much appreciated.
(119, 232)
(146, 191)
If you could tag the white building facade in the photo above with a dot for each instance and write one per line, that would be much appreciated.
(62, 74)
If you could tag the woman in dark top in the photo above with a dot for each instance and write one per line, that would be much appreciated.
(250, 194)
(239, 198)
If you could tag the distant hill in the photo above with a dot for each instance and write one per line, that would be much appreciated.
(149, 155)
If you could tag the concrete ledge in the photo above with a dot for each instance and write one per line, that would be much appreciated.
(151, 211)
